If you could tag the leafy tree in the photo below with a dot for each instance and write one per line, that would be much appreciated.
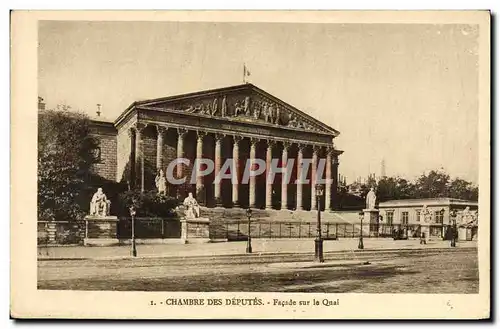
(433, 185)
(65, 157)
(462, 189)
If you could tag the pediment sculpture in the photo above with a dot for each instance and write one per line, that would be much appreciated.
(254, 108)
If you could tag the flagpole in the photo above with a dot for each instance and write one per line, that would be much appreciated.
(244, 72)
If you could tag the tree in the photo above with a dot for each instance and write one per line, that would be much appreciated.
(65, 158)
(395, 188)
(433, 185)
(462, 189)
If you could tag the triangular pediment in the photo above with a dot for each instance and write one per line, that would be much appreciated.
(242, 103)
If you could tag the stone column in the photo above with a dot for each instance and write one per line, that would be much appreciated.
(335, 174)
(218, 161)
(284, 178)
(159, 147)
(299, 177)
(133, 160)
(181, 135)
(328, 184)
(251, 189)
(314, 164)
(139, 153)
(269, 183)
(200, 188)
(236, 169)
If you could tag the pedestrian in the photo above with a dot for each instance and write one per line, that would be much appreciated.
(422, 238)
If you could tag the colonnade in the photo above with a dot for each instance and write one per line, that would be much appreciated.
(331, 170)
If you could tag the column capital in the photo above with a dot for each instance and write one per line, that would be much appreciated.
(316, 149)
(286, 145)
(139, 127)
(219, 137)
(301, 147)
(237, 139)
(329, 150)
(161, 129)
(254, 141)
(181, 132)
(201, 134)
(271, 143)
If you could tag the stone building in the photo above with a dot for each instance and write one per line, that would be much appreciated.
(240, 122)
(434, 213)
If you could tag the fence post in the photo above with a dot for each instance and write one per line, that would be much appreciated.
(309, 232)
(51, 232)
(270, 230)
(336, 230)
(300, 224)
(353, 230)
(260, 225)
(163, 228)
(238, 231)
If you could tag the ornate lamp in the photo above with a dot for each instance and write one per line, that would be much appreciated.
(132, 214)
(318, 242)
(453, 215)
(360, 243)
(249, 240)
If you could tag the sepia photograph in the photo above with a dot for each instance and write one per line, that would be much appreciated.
(283, 164)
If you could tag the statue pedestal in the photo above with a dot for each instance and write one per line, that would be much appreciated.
(101, 231)
(426, 230)
(195, 230)
(371, 216)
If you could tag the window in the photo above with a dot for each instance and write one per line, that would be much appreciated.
(97, 154)
(438, 216)
(390, 216)
(404, 219)
(418, 215)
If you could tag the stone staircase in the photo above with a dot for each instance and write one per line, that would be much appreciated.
(239, 214)
(278, 223)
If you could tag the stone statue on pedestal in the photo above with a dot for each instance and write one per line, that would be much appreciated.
(99, 206)
(192, 207)
(371, 198)
(161, 183)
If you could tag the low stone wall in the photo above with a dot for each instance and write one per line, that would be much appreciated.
(73, 232)
(60, 232)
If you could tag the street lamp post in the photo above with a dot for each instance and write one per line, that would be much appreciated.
(318, 242)
(132, 214)
(249, 240)
(361, 244)
(453, 215)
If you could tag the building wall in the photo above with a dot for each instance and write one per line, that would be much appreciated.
(106, 136)
(412, 214)
(123, 154)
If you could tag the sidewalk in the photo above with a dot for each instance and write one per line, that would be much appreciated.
(259, 246)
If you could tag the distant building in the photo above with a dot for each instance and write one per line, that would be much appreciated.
(409, 212)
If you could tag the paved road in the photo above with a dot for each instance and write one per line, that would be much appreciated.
(409, 271)
(237, 248)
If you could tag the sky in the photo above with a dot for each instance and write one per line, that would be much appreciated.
(403, 93)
